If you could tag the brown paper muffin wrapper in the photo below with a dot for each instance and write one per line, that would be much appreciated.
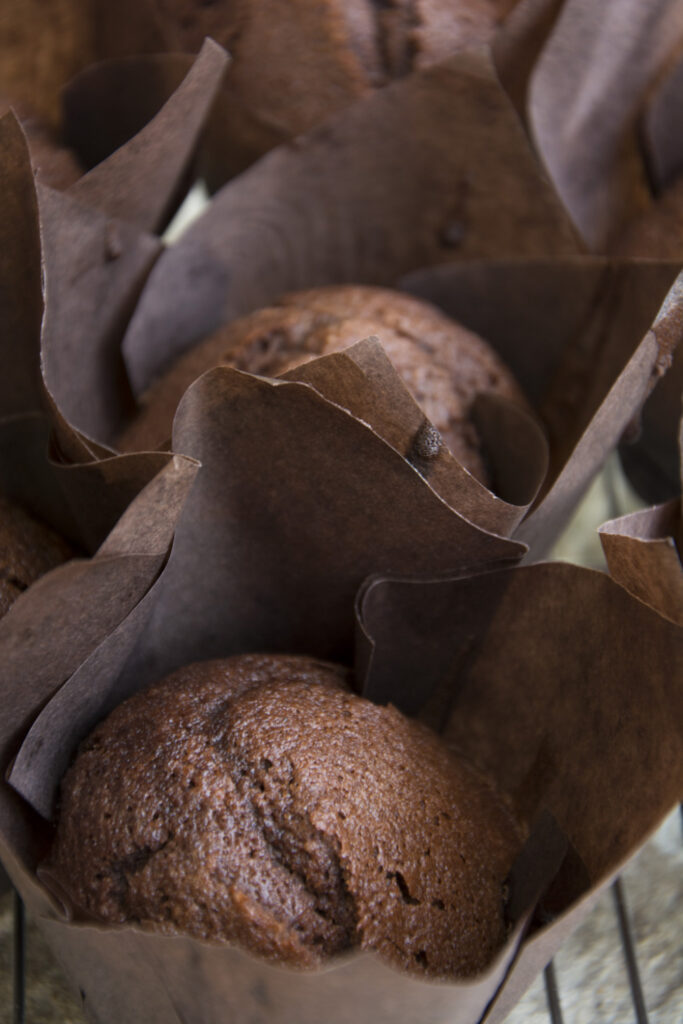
(531, 670)
(357, 225)
(605, 112)
(601, 87)
(71, 268)
(434, 166)
(643, 552)
(270, 95)
(652, 462)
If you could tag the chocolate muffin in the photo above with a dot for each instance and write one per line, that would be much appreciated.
(28, 549)
(294, 63)
(442, 363)
(42, 46)
(257, 800)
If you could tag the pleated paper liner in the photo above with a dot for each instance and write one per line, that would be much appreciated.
(82, 499)
(329, 208)
(359, 226)
(434, 165)
(605, 111)
(290, 71)
(489, 630)
(621, 145)
(590, 89)
(581, 360)
(643, 552)
(552, 678)
(652, 461)
(74, 306)
(70, 482)
(85, 599)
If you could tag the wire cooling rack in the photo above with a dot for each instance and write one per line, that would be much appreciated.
(551, 985)
(629, 991)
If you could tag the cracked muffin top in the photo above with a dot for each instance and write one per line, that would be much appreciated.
(443, 364)
(258, 800)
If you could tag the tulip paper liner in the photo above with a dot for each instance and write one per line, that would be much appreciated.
(111, 101)
(643, 552)
(590, 88)
(93, 269)
(293, 219)
(236, 525)
(531, 670)
(433, 164)
(571, 331)
(108, 102)
(255, 561)
(557, 682)
(663, 151)
(84, 314)
(84, 600)
(122, 185)
(605, 108)
(26, 473)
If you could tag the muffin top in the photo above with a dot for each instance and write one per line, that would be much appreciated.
(443, 364)
(256, 799)
(28, 548)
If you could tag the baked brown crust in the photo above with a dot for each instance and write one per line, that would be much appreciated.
(28, 548)
(443, 364)
(257, 800)
(43, 45)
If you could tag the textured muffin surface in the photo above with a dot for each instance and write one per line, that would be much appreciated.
(28, 548)
(443, 364)
(258, 800)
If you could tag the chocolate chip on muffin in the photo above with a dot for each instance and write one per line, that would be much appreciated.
(443, 364)
(28, 549)
(256, 799)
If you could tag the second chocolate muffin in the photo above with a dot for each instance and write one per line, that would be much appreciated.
(257, 800)
(443, 364)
